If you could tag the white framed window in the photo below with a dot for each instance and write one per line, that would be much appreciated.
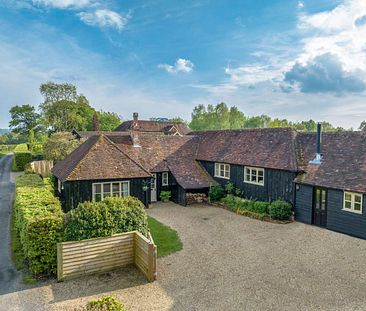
(222, 170)
(254, 175)
(352, 202)
(59, 185)
(108, 189)
(165, 179)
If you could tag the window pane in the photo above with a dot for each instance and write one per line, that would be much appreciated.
(357, 206)
(115, 187)
(347, 204)
(254, 178)
(227, 174)
(248, 171)
(124, 189)
(98, 197)
(254, 173)
(97, 188)
(358, 198)
(106, 188)
(348, 197)
(260, 173)
(260, 179)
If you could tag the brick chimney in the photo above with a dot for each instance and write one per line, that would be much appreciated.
(135, 131)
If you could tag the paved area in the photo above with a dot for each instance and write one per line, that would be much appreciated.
(228, 262)
(9, 277)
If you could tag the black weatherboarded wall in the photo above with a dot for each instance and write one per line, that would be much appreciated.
(75, 192)
(278, 184)
(337, 219)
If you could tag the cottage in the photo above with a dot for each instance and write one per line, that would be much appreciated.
(322, 174)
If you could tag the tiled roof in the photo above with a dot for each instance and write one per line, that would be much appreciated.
(159, 153)
(98, 158)
(87, 134)
(344, 160)
(154, 126)
(268, 148)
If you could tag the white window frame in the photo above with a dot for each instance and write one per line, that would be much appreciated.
(120, 192)
(352, 201)
(165, 179)
(222, 170)
(248, 177)
(59, 185)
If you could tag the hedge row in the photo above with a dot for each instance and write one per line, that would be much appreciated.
(22, 156)
(111, 216)
(38, 219)
(280, 210)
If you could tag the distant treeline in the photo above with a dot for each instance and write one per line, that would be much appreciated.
(220, 117)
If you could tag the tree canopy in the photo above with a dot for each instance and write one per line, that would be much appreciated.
(219, 117)
(108, 121)
(23, 119)
(59, 145)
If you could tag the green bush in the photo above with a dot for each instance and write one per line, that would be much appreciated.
(21, 148)
(230, 188)
(241, 205)
(21, 159)
(98, 219)
(216, 193)
(165, 196)
(105, 303)
(280, 210)
(259, 207)
(38, 220)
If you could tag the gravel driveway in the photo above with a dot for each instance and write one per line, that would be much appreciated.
(231, 262)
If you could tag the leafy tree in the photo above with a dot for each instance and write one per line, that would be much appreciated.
(63, 109)
(177, 119)
(23, 119)
(31, 140)
(59, 145)
(362, 126)
(108, 120)
(236, 118)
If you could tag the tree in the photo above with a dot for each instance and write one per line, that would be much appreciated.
(59, 145)
(31, 140)
(236, 118)
(177, 119)
(362, 126)
(108, 120)
(63, 109)
(23, 119)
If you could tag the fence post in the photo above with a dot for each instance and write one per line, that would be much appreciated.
(59, 262)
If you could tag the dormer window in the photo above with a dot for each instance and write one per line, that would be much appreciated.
(222, 170)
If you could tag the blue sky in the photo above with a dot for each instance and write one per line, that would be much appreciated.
(289, 59)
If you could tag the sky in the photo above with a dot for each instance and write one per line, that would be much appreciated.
(288, 59)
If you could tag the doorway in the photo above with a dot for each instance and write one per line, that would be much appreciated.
(320, 207)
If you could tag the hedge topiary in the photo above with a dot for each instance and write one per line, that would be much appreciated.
(22, 159)
(38, 220)
(98, 219)
(280, 210)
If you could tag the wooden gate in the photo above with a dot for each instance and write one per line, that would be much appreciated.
(79, 258)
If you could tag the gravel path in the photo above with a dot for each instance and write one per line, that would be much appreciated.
(231, 262)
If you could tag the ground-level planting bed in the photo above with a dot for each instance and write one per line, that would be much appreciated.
(165, 238)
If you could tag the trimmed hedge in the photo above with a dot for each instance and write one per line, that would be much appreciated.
(22, 156)
(98, 219)
(38, 219)
(280, 210)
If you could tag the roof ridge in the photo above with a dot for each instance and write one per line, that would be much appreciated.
(125, 154)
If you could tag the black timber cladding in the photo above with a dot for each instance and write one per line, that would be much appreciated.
(278, 184)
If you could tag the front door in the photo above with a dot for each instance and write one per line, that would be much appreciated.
(153, 189)
(320, 207)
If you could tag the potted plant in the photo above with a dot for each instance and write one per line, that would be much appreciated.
(165, 196)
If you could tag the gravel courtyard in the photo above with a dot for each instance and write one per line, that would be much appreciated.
(228, 262)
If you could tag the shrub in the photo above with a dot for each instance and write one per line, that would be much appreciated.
(21, 159)
(105, 303)
(165, 196)
(98, 219)
(280, 210)
(259, 207)
(230, 188)
(216, 193)
(38, 220)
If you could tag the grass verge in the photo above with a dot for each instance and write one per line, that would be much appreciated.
(166, 239)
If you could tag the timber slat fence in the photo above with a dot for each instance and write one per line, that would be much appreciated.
(79, 258)
(42, 167)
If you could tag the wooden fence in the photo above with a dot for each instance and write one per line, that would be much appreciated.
(42, 168)
(75, 259)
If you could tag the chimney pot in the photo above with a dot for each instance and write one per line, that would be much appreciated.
(135, 116)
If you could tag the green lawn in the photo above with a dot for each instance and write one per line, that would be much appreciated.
(166, 239)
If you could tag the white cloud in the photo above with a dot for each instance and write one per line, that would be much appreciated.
(181, 65)
(104, 18)
(63, 4)
(300, 5)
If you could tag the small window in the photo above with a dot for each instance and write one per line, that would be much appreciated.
(222, 170)
(254, 175)
(165, 179)
(59, 185)
(352, 202)
(107, 189)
